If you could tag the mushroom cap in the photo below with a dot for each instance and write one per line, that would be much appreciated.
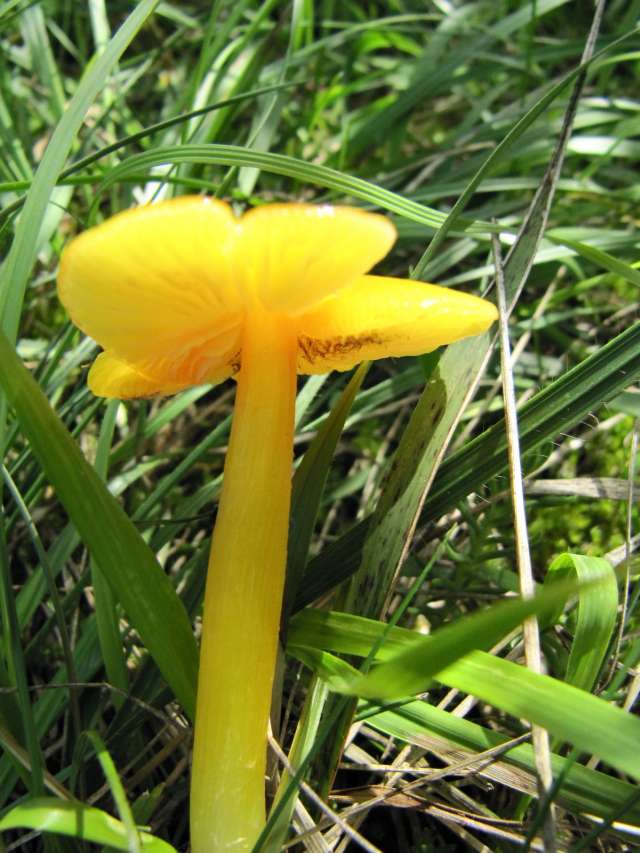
(164, 289)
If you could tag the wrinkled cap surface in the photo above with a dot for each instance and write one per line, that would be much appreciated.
(165, 288)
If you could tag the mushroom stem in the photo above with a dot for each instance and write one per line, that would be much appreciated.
(244, 595)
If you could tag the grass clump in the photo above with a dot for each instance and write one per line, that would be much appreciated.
(449, 118)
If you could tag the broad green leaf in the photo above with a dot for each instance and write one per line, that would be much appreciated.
(48, 814)
(413, 468)
(137, 580)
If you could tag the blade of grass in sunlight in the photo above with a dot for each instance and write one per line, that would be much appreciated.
(597, 614)
(117, 791)
(498, 154)
(591, 724)
(409, 670)
(70, 174)
(19, 262)
(76, 820)
(280, 164)
(600, 258)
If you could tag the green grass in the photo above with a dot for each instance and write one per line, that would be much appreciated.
(451, 118)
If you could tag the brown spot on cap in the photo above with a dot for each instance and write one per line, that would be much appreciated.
(322, 348)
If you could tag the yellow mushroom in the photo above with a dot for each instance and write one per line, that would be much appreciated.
(183, 293)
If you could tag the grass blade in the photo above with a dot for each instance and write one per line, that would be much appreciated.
(426, 726)
(281, 164)
(126, 561)
(105, 603)
(308, 484)
(47, 814)
(597, 613)
(555, 409)
(591, 724)
(19, 262)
